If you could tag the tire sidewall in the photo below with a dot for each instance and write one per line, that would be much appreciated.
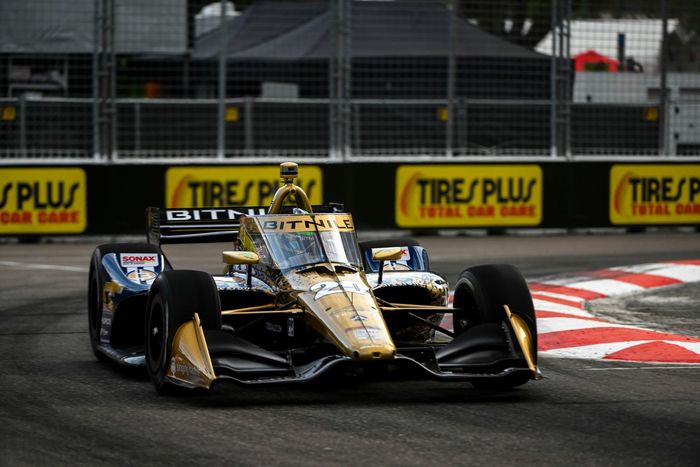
(157, 368)
(177, 294)
(492, 286)
(469, 296)
(94, 306)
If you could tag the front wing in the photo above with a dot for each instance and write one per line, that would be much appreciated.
(201, 358)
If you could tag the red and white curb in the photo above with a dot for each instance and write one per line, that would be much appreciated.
(567, 330)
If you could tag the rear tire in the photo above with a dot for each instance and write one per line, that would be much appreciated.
(481, 292)
(174, 298)
(95, 304)
(96, 281)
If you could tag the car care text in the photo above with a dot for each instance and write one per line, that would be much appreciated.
(42, 201)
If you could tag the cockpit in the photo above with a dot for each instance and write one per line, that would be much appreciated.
(290, 241)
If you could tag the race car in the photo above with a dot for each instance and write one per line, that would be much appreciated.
(300, 298)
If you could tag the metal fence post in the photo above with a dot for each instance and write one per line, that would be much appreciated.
(663, 95)
(449, 133)
(347, 78)
(333, 78)
(23, 125)
(340, 71)
(248, 104)
(137, 127)
(96, 152)
(462, 125)
(553, 83)
(568, 94)
(221, 104)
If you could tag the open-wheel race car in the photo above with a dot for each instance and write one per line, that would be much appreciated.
(298, 298)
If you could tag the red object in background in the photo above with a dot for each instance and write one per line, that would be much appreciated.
(590, 60)
(153, 89)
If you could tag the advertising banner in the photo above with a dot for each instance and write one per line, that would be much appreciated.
(234, 186)
(42, 201)
(654, 194)
(468, 195)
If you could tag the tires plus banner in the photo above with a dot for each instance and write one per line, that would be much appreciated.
(42, 201)
(468, 195)
(655, 194)
(234, 186)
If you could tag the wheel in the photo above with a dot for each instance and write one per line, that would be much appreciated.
(95, 310)
(96, 280)
(481, 292)
(173, 299)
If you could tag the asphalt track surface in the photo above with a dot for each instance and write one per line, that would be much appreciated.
(58, 405)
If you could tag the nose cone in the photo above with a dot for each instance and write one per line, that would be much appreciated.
(347, 314)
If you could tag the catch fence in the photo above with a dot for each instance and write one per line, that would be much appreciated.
(93, 81)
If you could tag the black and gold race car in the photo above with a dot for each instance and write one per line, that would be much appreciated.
(299, 298)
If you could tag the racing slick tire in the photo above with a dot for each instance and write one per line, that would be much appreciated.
(481, 292)
(173, 299)
(96, 280)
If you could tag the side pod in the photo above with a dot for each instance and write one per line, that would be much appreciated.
(190, 364)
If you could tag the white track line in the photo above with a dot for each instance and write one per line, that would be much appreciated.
(49, 267)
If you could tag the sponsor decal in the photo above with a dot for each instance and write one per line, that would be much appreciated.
(141, 276)
(186, 215)
(181, 369)
(290, 327)
(129, 260)
(234, 186)
(330, 287)
(273, 327)
(359, 318)
(229, 281)
(364, 333)
(42, 201)
(468, 195)
(655, 194)
(307, 223)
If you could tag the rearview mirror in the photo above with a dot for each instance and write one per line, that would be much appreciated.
(240, 257)
(386, 254)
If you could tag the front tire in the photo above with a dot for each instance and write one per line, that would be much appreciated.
(481, 292)
(173, 299)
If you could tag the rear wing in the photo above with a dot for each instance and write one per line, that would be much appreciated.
(203, 225)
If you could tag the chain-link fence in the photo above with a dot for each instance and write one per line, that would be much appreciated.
(176, 80)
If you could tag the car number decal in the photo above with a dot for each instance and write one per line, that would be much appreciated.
(330, 287)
